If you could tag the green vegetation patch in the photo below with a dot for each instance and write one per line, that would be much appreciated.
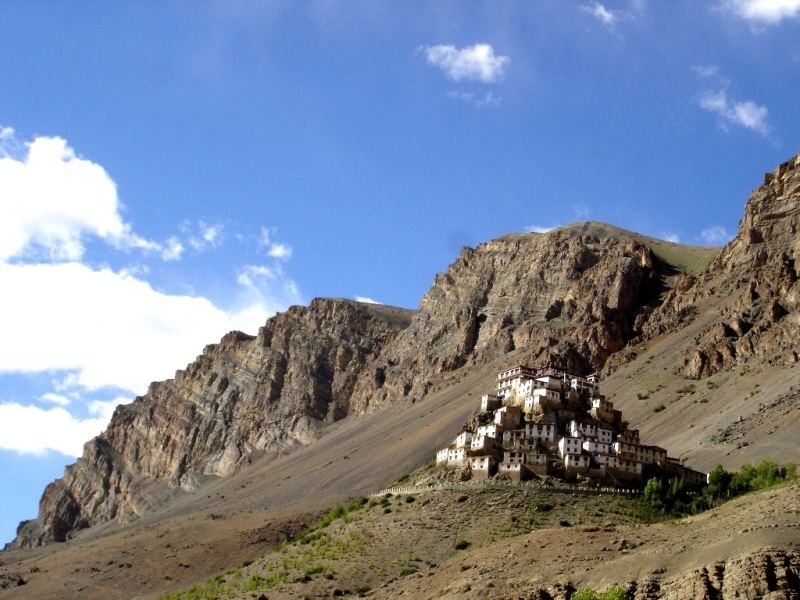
(674, 497)
(612, 593)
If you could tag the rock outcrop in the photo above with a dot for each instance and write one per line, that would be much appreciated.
(573, 296)
(771, 574)
(768, 573)
(753, 283)
(241, 398)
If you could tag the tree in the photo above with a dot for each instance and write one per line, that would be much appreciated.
(652, 493)
(719, 481)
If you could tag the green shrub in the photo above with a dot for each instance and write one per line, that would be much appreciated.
(612, 593)
(462, 545)
(337, 512)
(659, 408)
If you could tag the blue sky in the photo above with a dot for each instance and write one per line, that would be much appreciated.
(169, 171)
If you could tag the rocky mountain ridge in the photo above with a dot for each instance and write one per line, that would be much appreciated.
(757, 274)
(241, 398)
(577, 296)
(574, 296)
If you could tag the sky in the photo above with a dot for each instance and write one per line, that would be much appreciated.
(171, 171)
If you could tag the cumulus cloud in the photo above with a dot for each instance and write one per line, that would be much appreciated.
(110, 328)
(472, 63)
(33, 430)
(367, 300)
(94, 329)
(601, 13)
(250, 274)
(715, 235)
(52, 199)
(53, 398)
(281, 251)
(745, 113)
(766, 12)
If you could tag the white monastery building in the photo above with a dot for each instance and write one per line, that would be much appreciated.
(546, 421)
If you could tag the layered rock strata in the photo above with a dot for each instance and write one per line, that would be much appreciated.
(572, 296)
(754, 279)
(241, 398)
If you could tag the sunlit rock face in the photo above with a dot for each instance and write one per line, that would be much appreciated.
(240, 399)
(573, 296)
(755, 281)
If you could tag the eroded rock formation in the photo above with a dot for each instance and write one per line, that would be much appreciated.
(755, 281)
(242, 397)
(575, 296)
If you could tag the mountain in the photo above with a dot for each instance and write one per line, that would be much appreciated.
(696, 345)
(574, 296)
(753, 282)
(240, 399)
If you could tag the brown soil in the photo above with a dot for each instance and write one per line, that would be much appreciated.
(600, 557)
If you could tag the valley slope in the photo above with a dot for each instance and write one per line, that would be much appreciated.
(339, 398)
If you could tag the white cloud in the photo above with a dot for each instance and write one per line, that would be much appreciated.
(248, 276)
(53, 398)
(209, 235)
(768, 12)
(281, 251)
(367, 300)
(745, 114)
(601, 13)
(52, 199)
(487, 99)
(671, 237)
(472, 63)
(538, 229)
(111, 328)
(105, 409)
(95, 328)
(33, 430)
(274, 249)
(715, 235)
(173, 250)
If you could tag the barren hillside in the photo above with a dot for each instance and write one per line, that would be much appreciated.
(335, 400)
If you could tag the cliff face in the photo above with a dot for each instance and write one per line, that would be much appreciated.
(575, 295)
(755, 282)
(240, 398)
(766, 573)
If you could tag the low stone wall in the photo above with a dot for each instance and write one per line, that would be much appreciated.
(462, 485)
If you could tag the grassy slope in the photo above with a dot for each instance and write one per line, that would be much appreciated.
(398, 536)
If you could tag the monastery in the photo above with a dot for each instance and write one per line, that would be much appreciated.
(549, 422)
